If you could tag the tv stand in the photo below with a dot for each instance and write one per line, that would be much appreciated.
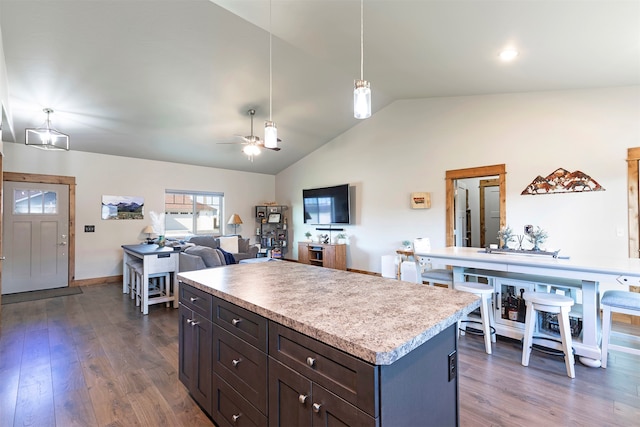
(323, 255)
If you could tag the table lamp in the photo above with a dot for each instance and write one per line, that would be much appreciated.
(235, 220)
(148, 230)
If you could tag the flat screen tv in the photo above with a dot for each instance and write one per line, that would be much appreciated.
(327, 205)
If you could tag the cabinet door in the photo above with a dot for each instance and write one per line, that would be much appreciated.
(329, 410)
(289, 397)
(303, 253)
(329, 256)
(194, 356)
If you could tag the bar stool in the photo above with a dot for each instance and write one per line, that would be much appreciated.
(485, 293)
(618, 302)
(135, 272)
(549, 303)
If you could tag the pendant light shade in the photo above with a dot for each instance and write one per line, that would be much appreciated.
(362, 89)
(270, 134)
(45, 137)
(362, 100)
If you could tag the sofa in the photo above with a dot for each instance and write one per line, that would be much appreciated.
(209, 251)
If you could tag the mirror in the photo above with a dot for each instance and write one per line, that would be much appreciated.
(462, 186)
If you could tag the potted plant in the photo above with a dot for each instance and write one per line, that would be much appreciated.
(537, 237)
(341, 238)
(505, 235)
(308, 235)
(407, 245)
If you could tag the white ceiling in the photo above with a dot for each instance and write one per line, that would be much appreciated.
(167, 79)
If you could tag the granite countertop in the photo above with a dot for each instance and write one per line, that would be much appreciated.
(375, 319)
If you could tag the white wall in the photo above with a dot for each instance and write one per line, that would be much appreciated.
(408, 146)
(99, 254)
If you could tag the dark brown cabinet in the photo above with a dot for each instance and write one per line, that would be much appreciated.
(194, 357)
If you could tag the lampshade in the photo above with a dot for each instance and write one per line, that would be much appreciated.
(148, 230)
(235, 220)
(45, 137)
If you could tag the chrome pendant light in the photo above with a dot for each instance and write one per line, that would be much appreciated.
(362, 89)
(270, 129)
(45, 137)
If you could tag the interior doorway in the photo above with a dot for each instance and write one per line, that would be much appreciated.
(489, 211)
(487, 172)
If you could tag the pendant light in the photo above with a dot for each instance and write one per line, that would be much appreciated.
(270, 129)
(362, 90)
(45, 137)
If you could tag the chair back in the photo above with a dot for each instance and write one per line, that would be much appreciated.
(409, 272)
(421, 244)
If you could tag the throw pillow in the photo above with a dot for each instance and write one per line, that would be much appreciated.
(229, 244)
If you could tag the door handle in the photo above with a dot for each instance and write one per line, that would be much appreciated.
(2, 258)
(63, 244)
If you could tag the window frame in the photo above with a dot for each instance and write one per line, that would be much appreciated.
(194, 212)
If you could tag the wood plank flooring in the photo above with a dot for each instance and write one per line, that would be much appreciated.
(93, 360)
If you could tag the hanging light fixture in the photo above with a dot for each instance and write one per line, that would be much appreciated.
(251, 150)
(45, 137)
(362, 90)
(270, 129)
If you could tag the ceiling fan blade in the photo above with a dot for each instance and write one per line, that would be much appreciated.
(232, 143)
(273, 149)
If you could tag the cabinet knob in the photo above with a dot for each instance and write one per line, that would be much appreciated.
(316, 407)
(189, 321)
(235, 418)
(302, 398)
(235, 322)
(194, 299)
(236, 362)
(194, 323)
(311, 361)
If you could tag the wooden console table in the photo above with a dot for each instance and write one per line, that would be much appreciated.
(323, 255)
(587, 272)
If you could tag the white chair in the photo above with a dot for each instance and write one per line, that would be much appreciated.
(485, 292)
(409, 272)
(389, 267)
(555, 304)
(618, 302)
(431, 275)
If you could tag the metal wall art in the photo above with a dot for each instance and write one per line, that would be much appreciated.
(420, 200)
(562, 181)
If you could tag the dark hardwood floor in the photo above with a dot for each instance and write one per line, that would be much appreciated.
(93, 360)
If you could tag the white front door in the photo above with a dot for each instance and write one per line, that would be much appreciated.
(35, 240)
(492, 214)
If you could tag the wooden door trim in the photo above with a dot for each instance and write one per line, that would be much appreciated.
(633, 156)
(477, 172)
(55, 179)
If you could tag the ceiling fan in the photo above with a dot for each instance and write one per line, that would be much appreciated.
(252, 142)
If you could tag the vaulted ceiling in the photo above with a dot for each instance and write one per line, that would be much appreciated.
(170, 79)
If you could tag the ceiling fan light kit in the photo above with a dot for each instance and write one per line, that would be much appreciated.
(46, 137)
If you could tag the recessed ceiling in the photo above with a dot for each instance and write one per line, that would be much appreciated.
(168, 79)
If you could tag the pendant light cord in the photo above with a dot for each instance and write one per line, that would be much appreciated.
(270, 67)
(361, 39)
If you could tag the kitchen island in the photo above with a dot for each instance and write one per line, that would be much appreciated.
(294, 344)
(577, 276)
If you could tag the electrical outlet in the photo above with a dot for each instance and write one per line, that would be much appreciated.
(453, 365)
(89, 228)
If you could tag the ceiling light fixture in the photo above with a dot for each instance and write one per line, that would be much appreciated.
(508, 54)
(362, 90)
(270, 129)
(45, 137)
(251, 150)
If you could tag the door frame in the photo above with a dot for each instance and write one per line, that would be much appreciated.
(477, 172)
(53, 179)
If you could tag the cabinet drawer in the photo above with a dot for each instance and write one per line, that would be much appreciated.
(231, 409)
(350, 378)
(248, 326)
(242, 366)
(161, 263)
(196, 300)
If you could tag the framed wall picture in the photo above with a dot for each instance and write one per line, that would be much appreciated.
(420, 200)
(274, 218)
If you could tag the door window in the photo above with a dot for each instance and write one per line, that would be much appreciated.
(34, 202)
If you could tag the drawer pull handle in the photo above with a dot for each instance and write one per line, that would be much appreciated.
(189, 321)
(236, 362)
(302, 398)
(236, 322)
(235, 418)
(316, 407)
(194, 323)
(194, 299)
(311, 361)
